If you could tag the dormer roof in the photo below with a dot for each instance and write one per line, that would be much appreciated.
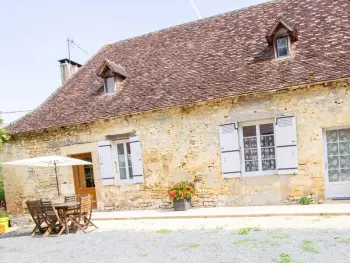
(109, 68)
(281, 28)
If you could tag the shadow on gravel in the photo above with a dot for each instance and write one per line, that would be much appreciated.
(18, 233)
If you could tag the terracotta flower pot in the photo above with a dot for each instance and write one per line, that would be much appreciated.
(182, 205)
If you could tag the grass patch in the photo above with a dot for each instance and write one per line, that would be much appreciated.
(189, 245)
(246, 243)
(307, 247)
(246, 230)
(219, 228)
(285, 258)
(145, 254)
(271, 243)
(164, 231)
(281, 236)
(345, 241)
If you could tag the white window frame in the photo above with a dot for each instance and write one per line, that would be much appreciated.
(118, 180)
(276, 48)
(240, 134)
(105, 82)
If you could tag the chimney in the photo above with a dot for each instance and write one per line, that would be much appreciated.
(68, 69)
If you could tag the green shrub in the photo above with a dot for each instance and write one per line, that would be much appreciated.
(305, 200)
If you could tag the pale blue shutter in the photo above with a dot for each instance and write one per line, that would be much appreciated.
(136, 158)
(106, 167)
(230, 150)
(286, 145)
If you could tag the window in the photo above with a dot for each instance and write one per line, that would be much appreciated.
(258, 148)
(109, 85)
(282, 47)
(124, 164)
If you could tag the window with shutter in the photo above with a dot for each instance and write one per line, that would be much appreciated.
(128, 161)
(286, 145)
(230, 151)
(258, 148)
(106, 167)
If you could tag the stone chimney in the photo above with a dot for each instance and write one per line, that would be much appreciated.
(68, 69)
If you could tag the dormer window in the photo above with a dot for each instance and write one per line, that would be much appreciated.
(280, 37)
(113, 76)
(109, 85)
(282, 47)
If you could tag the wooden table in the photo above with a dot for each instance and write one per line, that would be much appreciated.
(65, 207)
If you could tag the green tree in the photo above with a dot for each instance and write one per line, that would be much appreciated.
(4, 137)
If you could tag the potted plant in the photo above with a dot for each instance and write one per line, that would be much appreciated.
(4, 220)
(181, 194)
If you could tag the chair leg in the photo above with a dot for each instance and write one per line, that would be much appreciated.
(47, 233)
(36, 228)
(89, 222)
(78, 225)
(61, 231)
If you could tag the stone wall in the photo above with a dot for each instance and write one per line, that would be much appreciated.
(182, 143)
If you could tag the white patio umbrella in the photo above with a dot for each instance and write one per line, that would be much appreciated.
(49, 161)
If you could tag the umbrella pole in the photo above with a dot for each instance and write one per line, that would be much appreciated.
(58, 190)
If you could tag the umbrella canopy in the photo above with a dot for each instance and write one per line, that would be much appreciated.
(49, 161)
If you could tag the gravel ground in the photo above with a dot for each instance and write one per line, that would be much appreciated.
(206, 240)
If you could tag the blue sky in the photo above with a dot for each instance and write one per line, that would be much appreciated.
(34, 37)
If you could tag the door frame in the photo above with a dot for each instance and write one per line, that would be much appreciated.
(76, 187)
(325, 156)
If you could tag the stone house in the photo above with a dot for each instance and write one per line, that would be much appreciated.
(252, 105)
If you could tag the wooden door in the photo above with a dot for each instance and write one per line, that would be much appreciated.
(84, 177)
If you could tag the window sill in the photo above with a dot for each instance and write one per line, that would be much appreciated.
(128, 182)
(259, 174)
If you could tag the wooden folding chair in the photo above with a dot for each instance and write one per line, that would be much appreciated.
(52, 219)
(71, 198)
(38, 215)
(82, 219)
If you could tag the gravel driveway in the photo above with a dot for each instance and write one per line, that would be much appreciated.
(210, 241)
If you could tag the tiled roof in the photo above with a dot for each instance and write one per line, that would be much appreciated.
(221, 56)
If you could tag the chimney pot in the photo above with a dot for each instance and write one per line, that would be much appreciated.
(68, 69)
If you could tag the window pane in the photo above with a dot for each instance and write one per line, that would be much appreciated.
(332, 149)
(249, 131)
(268, 165)
(332, 136)
(344, 148)
(334, 175)
(110, 85)
(251, 166)
(120, 148)
(344, 135)
(282, 52)
(344, 161)
(251, 154)
(268, 153)
(250, 142)
(266, 129)
(128, 148)
(130, 173)
(121, 159)
(345, 174)
(122, 173)
(333, 162)
(282, 42)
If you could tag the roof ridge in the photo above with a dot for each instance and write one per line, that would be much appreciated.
(197, 21)
(55, 91)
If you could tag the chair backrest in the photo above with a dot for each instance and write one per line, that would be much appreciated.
(48, 208)
(36, 211)
(86, 204)
(70, 198)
